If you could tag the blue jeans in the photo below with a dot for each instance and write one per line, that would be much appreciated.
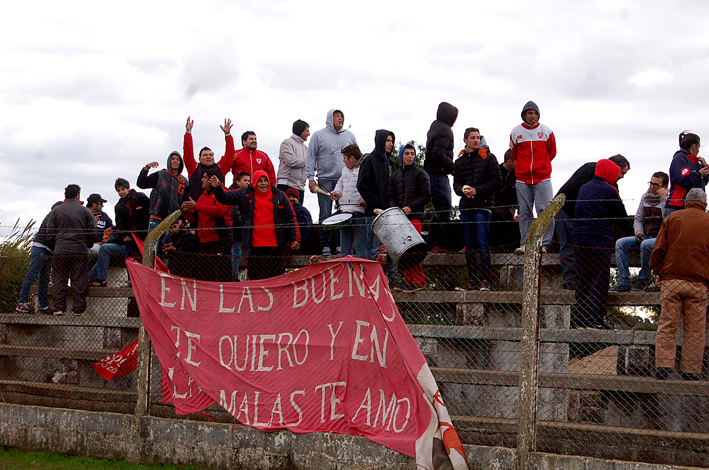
(670, 209)
(327, 238)
(100, 270)
(235, 260)
(441, 198)
(476, 232)
(624, 246)
(567, 254)
(537, 195)
(354, 236)
(40, 269)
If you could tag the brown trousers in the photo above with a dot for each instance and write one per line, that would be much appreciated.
(688, 300)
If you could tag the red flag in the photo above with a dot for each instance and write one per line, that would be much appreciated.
(320, 349)
(117, 365)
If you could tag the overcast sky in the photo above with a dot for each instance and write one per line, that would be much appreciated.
(92, 91)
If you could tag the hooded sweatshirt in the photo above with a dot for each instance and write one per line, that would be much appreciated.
(325, 150)
(375, 175)
(169, 190)
(439, 141)
(533, 149)
(291, 166)
(599, 205)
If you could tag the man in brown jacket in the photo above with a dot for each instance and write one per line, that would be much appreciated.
(681, 261)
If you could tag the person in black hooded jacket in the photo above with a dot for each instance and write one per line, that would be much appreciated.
(373, 182)
(171, 188)
(476, 178)
(438, 163)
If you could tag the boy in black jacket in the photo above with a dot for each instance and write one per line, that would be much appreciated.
(410, 191)
(475, 180)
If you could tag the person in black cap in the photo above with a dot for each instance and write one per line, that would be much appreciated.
(291, 157)
(305, 220)
(103, 222)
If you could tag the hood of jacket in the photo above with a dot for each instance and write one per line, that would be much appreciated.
(380, 139)
(258, 174)
(530, 105)
(329, 121)
(401, 154)
(182, 163)
(607, 170)
(447, 113)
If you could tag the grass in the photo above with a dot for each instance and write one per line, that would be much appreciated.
(19, 460)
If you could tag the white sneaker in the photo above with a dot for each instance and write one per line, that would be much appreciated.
(58, 313)
(520, 250)
(544, 249)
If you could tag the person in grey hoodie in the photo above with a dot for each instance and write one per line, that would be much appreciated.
(323, 166)
(291, 156)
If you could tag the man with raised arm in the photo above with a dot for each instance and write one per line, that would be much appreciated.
(196, 169)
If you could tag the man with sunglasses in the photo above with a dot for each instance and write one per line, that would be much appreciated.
(648, 220)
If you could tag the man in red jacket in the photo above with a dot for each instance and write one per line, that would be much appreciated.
(250, 160)
(533, 147)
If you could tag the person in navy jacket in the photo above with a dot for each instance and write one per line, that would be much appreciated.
(688, 170)
(598, 206)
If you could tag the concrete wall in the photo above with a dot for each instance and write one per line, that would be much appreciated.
(222, 446)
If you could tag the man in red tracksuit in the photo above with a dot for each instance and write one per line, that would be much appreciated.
(533, 147)
(250, 160)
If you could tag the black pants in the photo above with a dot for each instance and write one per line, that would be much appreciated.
(75, 268)
(265, 262)
(593, 264)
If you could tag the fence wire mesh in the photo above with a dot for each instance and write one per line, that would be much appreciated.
(603, 388)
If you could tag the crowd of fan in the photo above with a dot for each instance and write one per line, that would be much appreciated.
(260, 217)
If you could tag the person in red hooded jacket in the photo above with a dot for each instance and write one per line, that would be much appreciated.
(269, 224)
(250, 159)
(598, 207)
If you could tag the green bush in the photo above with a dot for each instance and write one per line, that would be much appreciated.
(14, 262)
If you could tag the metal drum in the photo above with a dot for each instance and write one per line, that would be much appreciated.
(400, 238)
(337, 221)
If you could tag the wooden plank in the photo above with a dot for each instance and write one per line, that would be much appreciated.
(88, 320)
(67, 391)
(548, 297)
(62, 353)
(98, 292)
(620, 383)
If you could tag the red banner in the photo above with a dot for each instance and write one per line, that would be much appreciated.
(117, 365)
(323, 348)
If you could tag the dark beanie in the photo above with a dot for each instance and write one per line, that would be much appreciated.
(299, 127)
(293, 192)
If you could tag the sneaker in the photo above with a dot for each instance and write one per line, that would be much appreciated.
(663, 373)
(639, 286)
(438, 249)
(23, 307)
(77, 314)
(520, 250)
(690, 376)
(620, 288)
(96, 283)
(470, 285)
(58, 313)
(485, 285)
(338, 250)
(45, 311)
(326, 251)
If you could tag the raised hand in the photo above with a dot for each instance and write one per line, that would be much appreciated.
(226, 127)
(189, 124)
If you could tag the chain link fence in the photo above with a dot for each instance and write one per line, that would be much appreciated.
(593, 378)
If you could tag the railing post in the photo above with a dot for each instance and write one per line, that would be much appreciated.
(142, 408)
(529, 354)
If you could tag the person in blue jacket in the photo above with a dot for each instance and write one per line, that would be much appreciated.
(688, 170)
(597, 208)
